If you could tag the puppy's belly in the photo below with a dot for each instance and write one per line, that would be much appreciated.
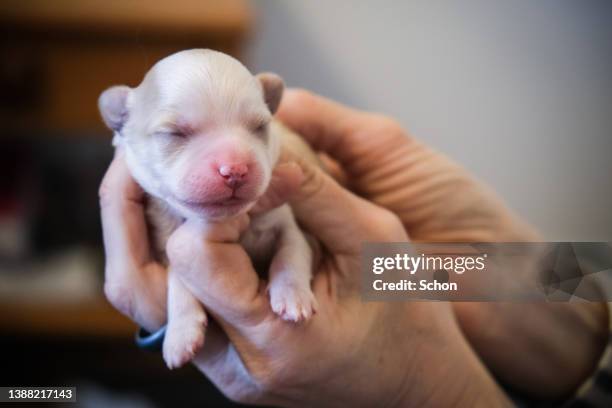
(259, 240)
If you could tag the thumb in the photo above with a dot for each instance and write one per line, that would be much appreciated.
(285, 182)
(341, 220)
(218, 272)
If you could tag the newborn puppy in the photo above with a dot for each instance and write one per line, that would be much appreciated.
(198, 136)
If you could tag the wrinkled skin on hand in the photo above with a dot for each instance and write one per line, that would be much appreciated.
(350, 353)
(439, 201)
(369, 354)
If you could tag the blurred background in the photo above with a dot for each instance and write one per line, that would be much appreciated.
(519, 92)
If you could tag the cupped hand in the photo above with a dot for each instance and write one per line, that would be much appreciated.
(543, 349)
(436, 199)
(351, 353)
(135, 282)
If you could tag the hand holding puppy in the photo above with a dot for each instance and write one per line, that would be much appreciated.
(439, 201)
(350, 353)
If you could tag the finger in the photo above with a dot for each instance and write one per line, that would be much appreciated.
(123, 220)
(341, 132)
(341, 220)
(286, 180)
(219, 274)
(133, 282)
(333, 168)
(227, 231)
(221, 363)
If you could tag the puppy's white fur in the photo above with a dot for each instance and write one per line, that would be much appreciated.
(198, 116)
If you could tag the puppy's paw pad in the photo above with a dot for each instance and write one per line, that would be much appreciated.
(292, 302)
(182, 342)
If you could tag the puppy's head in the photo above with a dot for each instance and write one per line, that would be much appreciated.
(196, 134)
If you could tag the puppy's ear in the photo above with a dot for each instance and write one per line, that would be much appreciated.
(113, 106)
(272, 86)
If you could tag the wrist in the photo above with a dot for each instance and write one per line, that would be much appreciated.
(559, 344)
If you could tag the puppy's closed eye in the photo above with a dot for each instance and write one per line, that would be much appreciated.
(176, 133)
(170, 135)
(173, 132)
(171, 126)
(260, 127)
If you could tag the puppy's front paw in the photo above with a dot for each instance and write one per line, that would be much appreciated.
(292, 300)
(183, 340)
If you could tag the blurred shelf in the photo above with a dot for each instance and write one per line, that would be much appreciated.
(95, 318)
(170, 18)
(56, 57)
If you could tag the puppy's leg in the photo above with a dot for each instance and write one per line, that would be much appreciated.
(186, 324)
(291, 272)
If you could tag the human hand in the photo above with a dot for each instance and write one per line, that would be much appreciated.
(135, 282)
(438, 201)
(350, 353)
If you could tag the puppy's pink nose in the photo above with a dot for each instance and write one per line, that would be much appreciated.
(234, 174)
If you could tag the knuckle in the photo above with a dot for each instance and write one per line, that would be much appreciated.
(387, 125)
(104, 193)
(120, 296)
(388, 226)
(314, 181)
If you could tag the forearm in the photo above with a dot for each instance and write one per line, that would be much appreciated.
(544, 349)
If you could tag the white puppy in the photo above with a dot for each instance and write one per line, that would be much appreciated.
(198, 136)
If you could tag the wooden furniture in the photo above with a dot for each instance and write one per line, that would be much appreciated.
(92, 319)
(57, 56)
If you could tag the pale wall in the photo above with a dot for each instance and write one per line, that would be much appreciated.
(520, 92)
